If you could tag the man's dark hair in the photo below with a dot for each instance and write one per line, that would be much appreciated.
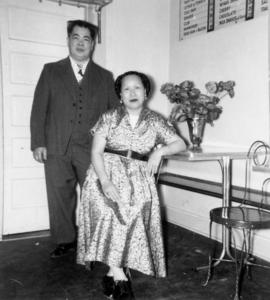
(81, 23)
(145, 81)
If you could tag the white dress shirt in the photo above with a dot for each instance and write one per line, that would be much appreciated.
(76, 68)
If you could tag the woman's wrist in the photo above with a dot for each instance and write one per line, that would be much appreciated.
(162, 150)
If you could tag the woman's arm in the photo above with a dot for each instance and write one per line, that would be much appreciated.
(109, 190)
(169, 149)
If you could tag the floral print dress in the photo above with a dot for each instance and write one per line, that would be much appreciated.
(127, 233)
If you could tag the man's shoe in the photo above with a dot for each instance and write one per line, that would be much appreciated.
(108, 286)
(123, 291)
(63, 249)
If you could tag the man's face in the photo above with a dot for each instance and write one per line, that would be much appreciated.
(80, 44)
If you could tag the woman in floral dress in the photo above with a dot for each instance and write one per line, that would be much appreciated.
(119, 219)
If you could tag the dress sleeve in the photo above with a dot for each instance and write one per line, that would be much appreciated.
(166, 133)
(102, 126)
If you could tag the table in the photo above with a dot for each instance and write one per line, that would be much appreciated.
(224, 156)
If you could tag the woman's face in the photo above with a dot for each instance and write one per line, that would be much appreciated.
(133, 93)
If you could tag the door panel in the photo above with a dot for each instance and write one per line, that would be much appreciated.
(32, 33)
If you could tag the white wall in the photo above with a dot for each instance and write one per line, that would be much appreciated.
(144, 36)
(238, 53)
(137, 38)
(141, 35)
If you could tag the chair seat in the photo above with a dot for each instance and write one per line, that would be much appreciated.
(241, 217)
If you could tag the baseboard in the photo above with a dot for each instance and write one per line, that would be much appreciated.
(200, 225)
(25, 235)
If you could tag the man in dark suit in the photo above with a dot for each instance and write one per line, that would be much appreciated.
(70, 96)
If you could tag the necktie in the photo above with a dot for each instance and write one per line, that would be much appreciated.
(80, 72)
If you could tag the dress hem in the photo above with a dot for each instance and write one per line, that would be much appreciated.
(84, 263)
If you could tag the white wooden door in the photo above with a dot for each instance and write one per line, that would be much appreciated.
(32, 33)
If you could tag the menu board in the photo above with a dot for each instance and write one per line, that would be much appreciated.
(202, 16)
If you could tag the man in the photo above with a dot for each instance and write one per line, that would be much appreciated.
(70, 96)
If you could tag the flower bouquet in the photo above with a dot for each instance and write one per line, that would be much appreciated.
(195, 107)
(190, 102)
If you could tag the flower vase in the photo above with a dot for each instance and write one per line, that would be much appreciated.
(196, 130)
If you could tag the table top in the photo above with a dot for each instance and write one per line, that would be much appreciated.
(208, 153)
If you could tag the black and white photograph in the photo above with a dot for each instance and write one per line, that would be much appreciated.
(134, 150)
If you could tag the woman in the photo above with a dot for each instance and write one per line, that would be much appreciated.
(119, 222)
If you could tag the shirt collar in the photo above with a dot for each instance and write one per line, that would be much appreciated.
(122, 112)
(75, 66)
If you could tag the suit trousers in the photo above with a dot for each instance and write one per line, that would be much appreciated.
(63, 173)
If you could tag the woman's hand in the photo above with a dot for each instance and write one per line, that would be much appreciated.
(154, 161)
(110, 191)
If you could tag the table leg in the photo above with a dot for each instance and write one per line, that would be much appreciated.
(225, 164)
(226, 189)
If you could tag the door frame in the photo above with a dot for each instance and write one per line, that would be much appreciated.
(1, 151)
(90, 13)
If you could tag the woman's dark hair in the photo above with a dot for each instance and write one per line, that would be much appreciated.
(145, 81)
(93, 30)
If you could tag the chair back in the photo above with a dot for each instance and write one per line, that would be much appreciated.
(258, 155)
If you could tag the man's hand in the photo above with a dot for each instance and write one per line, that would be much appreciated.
(40, 154)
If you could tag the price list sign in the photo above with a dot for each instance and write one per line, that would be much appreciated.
(202, 16)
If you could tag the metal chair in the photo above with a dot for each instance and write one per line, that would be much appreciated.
(245, 218)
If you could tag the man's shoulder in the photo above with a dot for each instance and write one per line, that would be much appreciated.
(112, 112)
(100, 69)
(57, 63)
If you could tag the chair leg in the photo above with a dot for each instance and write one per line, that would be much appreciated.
(239, 277)
(210, 258)
(242, 264)
(249, 259)
(209, 271)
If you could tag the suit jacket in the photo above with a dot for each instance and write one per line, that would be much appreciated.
(62, 107)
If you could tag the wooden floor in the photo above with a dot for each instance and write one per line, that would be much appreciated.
(27, 272)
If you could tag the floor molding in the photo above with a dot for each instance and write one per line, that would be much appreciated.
(25, 235)
(200, 225)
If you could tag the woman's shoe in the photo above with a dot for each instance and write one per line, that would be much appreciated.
(127, 273)
(123, 290)
(108, 285)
